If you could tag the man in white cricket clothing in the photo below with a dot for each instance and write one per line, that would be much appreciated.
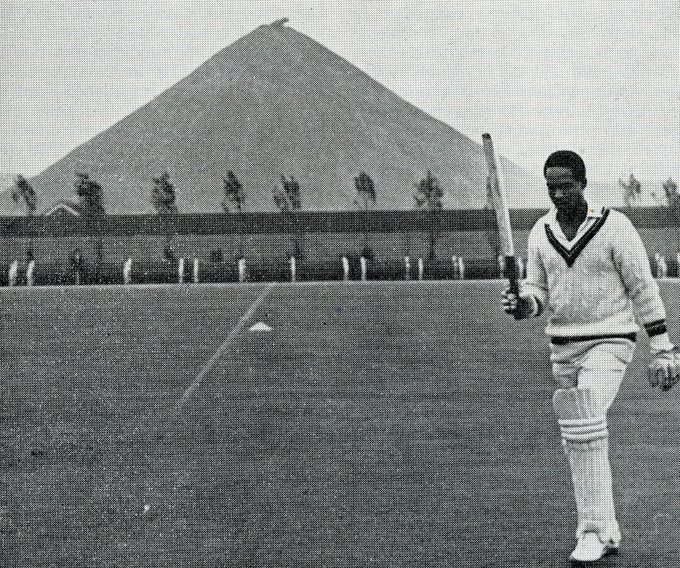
(588, 269)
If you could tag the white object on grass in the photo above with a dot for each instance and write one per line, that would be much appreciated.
(260, 326)
(30, 273)
(421, 269)
(461, 268)
(362, 260)
(293, 275)
(345, 268)
(127, 271)
(195, 270)
(180, 271)
(241, 269)
(13, 273)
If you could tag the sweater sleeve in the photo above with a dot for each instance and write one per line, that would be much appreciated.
(536, 282)
(631, 261)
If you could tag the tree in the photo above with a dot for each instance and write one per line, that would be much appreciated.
(90, 197)
(91, 201)
(428, 196)
(672, 201)
(235, 198)
(163, 195)
(288, 200)
(233, 194)
(163, 200)
(670, 189)
(23, 191)
(364, 201)
(631, 190)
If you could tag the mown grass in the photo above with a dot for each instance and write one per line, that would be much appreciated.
(378, 424)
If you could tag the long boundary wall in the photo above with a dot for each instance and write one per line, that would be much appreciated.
(312, 235)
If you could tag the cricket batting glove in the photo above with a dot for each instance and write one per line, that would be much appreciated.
(664, 369)
(521, 307)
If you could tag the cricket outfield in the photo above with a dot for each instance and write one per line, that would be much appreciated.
(376, 424)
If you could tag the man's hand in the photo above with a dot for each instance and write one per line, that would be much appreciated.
(520, 307)
(664, 369)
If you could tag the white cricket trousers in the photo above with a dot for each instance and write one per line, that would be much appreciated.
(597, 366)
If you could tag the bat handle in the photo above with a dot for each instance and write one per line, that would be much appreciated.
(512, 276)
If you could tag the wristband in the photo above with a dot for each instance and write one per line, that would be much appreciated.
(661, 342)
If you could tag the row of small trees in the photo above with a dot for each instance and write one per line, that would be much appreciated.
(632, 192)
(286, 195)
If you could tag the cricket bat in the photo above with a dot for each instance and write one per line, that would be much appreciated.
(499, 203)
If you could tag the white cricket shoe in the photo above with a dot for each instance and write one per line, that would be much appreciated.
(590, 548)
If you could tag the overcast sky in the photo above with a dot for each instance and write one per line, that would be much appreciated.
(599, 77)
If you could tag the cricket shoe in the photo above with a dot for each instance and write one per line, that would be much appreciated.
(590, 549)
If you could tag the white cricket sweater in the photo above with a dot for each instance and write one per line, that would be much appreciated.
(596, 283)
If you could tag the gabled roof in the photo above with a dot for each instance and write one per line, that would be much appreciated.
(68, 207)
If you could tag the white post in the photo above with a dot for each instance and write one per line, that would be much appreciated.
(345, 268)
(663, 267)
(180, 271)
(407, 268)
(13, 273)
(241, 269)
(362, 260)
(30, 273)
(677, 265)
(127, 271)
(501, 265)
(196, 271)
(293, 275)
(520, 267)
(421, 269)
(461, 268)
(454, 263)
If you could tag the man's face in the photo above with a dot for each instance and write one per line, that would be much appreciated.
(565, 191)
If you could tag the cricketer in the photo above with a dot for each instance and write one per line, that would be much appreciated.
(588, 269)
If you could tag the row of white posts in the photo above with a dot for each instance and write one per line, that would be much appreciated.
(458, 265)
(13, 273)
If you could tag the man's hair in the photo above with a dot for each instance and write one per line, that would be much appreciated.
(567, 159)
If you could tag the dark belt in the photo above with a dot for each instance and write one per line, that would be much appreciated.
(564, 340)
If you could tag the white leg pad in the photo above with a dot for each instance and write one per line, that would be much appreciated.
(583, 425)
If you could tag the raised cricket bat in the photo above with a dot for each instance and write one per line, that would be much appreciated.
(500, 206)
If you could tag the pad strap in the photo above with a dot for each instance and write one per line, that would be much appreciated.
(584, 430)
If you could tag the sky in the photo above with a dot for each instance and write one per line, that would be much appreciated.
(598, 77)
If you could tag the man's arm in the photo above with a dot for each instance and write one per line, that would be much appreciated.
(630, 259)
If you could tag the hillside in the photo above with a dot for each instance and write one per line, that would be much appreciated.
(275, 102)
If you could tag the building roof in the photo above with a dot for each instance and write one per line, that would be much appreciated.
(68, 207)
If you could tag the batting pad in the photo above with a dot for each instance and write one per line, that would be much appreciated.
(585, 439)
(581, 420)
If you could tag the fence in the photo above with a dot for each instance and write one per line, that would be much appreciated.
(186, 271)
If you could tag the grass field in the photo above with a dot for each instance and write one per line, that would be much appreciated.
(377, 424)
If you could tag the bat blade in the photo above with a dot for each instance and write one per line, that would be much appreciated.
(498, 197)
(499, 202)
